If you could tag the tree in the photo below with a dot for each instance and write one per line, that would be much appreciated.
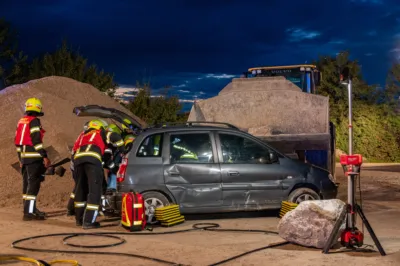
(155, 109)
(376, 127)
(392, 89)
(12, 62)
(67, 63)
(330, 86)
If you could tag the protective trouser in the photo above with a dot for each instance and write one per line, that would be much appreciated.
(88, 192)
(33, 175)
(70, 206)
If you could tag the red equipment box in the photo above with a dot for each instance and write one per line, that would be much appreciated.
(351, 164)
(133, 212)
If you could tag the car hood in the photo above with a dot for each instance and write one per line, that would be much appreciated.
(104, 112)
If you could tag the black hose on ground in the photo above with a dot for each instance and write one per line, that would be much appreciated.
(199, 226)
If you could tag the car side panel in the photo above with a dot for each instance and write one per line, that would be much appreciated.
(143, 173)
(193, 185)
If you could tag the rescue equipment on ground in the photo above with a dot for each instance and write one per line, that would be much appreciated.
(169, 215)
(119, 241)
(133, 212)
(37, 262)
(286, 207)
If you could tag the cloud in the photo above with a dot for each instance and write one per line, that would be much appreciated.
(220, 76)
(297, 34)
(369, 54)
(179, 86)
(194, 40)
(184, 91)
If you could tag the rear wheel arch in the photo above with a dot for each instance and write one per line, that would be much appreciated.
(169, 197)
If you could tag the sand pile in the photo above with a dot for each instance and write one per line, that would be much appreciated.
(59, 96)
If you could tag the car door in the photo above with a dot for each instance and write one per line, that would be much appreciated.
(248, 179)
(192, 173)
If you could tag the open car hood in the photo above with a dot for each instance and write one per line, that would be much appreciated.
(104, 112)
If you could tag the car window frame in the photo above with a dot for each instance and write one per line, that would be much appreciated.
(167, 139)
(144, 139)
(245, 136)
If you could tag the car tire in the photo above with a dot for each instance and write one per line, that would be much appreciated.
(303, 194)
(152, 201)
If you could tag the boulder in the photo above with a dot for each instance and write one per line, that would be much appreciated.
(311, 222)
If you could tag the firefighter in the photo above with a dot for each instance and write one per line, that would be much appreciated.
(114, 152)
(32, 156)
(70, 206)
(88, 164)
(128, 134)
(184, 153)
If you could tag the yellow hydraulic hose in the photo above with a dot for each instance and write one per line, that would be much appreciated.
(36, 262)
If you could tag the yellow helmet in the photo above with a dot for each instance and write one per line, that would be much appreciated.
(114, 128)
(33, 105)
(96, 124)
(127, 121)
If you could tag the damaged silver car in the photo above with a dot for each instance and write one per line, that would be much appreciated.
(213, 167)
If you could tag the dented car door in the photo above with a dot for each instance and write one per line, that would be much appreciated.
(191, 171)
(248, 181)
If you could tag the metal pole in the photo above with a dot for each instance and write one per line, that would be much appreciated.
(349, 88)
(351, 219)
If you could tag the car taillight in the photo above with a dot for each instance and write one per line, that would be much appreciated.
(122, 170)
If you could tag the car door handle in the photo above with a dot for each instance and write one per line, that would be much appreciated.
(173, 173)
(233, 173)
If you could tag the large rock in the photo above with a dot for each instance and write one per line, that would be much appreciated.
(311, 222)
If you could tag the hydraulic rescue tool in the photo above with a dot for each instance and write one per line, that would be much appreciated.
(351, 237)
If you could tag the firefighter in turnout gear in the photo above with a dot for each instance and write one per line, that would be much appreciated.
(70, 206)
(113, 155)
(88, 155)
(128, 134)
(32, 156)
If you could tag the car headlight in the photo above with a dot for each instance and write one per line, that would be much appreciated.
(331, 178)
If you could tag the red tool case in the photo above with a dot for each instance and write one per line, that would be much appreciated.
(133, 212)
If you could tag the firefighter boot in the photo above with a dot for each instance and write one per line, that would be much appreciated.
(91, 225)
(89, 218)
(30, 211)
(38, 212)
(33, 216)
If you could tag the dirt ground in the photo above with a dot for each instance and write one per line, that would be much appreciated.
(380, 185)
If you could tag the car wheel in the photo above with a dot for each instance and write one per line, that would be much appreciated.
(303, 194)
(152, 201)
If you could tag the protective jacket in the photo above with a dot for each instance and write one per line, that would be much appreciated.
(115, 149)
(89, 147)
(29, 139)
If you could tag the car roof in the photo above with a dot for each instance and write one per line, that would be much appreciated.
(151, 130)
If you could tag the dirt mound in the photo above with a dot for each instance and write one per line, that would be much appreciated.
(59, 96)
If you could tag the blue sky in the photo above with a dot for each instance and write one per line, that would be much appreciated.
(198, 46)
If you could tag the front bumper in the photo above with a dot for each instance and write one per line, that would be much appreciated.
(330, 192)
